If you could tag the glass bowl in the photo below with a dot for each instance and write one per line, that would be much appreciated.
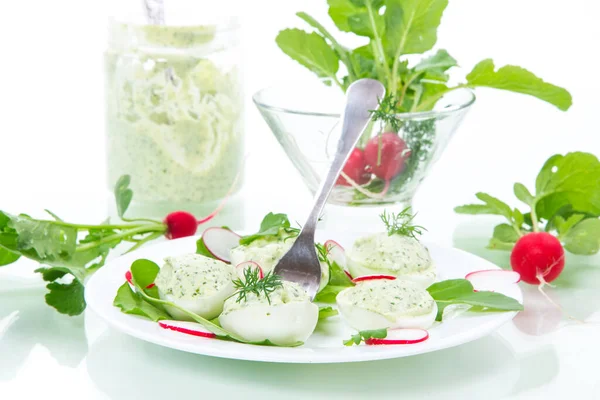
(305, 120)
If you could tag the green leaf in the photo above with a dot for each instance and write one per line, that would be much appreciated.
(474, 209)
(66, 298)
(520, 80)
(363, 62)
(358, 16)
(329, 293)
(364, 335)
(132, 303)
(518, 217)
(411, 25)
(460, 291)
(337, 276)
(123, 195)
(327, 312)
(311, 50)
(523, 194)
(52, 274)
(497, 206)
(7, 256)
(144, 274)
(272, 226)
(563, 226)
(571, 180)
(504, 237)
(583, 238)
(439, 63)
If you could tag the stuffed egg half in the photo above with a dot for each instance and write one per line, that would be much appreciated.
(383, 303)
(400, 256)
(285, 318)
(196, 283)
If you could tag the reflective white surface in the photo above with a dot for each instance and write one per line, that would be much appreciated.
(52, 157)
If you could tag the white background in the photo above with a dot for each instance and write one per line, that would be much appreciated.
(52, 145)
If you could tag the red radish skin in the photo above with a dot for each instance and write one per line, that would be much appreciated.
(400, 336)
(394, 154)
(348, 275)
(180, 224)
(336, 253)
(240, 268)
(356, 169)
(189, 328)
(538, 257)
(372, 278)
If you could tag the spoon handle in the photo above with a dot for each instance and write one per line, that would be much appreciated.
(361, 98)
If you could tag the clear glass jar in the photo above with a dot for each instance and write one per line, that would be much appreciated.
(174, 106)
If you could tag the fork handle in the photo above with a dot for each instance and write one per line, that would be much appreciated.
(361, 98)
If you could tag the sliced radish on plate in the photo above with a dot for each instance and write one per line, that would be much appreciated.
(373, 277)
(219, 242)
(492, 279)
(241, 267)
(336, 253)
(401, 336)
(189, 328)
(348, 275)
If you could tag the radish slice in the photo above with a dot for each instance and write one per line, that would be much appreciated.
(401, 336)
(336, 253)
(189, 328)
(348, 275)
(373, 277)
(241, 267)
(492, 279)
(219, 242)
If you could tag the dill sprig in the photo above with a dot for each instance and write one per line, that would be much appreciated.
(252, 283)
(387, 112)
(401, 223)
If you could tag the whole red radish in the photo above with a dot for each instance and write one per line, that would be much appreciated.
(387, 162)
(356, 169)
(538, 257)
(180, 224)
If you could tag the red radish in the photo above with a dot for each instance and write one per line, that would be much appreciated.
(180, 224)
(129, 279)
(491, 279)
(373, 278)
(219, 241)
(241, 267)
(348, 275)
(538, 257)
(401, 336)
(336, 253)
(386, 154)
(189, 328)
(355, 169)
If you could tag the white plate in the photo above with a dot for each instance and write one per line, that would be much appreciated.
(325, 345)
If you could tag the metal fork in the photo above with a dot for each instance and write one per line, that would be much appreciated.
(301, 263)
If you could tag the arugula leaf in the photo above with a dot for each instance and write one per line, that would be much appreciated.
(329, 293)
(460, 291)
(583, 237)
(364, 335)
(520, 80)
(272, 226)
(123, 195)
(8, 257)
(358, 16)
(131, 302)
(411, 25)
(66, 298)
(569, 180)
(311, 50)
(327, 312)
